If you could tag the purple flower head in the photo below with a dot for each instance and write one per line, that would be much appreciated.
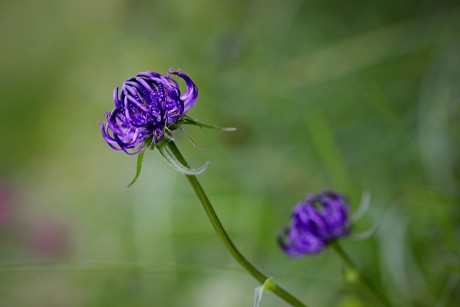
(144, 107)
(315, 221)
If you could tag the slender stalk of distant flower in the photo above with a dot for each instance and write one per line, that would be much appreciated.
(286, 296)
(146, 110)
(318, 221)
(358, 275)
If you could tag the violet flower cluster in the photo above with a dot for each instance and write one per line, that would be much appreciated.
(145, 107)
(315, 222)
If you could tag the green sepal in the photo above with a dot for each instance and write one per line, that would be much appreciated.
(178, 166)
(140, 158)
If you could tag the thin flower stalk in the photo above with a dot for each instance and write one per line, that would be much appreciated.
(358, 275)
(214, 219)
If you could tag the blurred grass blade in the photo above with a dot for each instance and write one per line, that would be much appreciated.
(140, 158)
(328, 150)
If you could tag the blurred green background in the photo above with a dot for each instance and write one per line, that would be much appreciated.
(358, 97)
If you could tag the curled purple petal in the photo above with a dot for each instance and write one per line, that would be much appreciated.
(115, 98)
(191, 94)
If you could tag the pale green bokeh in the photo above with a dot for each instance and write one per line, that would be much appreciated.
(351, 97)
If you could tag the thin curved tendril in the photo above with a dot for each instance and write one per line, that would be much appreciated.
(363, 206)
(190, 138)
(365, 234)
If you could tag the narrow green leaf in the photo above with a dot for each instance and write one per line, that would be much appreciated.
(172, 160)
(186, 120)
(140, 157)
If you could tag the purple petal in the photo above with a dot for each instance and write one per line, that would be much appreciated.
(191, 94)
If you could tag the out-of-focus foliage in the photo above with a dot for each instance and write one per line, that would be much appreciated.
(349, 96)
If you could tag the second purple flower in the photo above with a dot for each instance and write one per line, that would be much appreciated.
(315, 222)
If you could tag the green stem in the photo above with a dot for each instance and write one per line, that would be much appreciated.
(366, 282)
(283, 294)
